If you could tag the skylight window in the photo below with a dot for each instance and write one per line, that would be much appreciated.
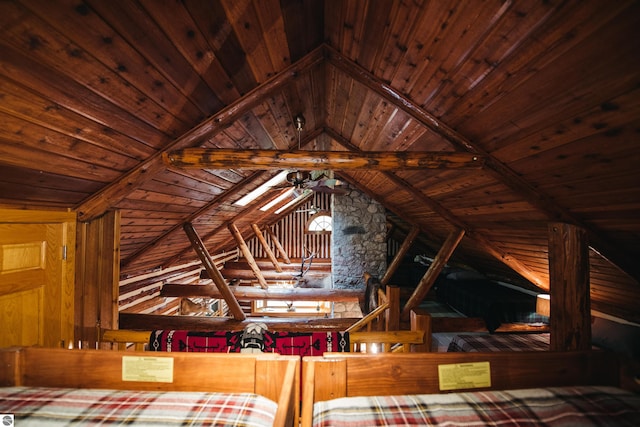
(305, 193)
(278, 179)
(277, 200)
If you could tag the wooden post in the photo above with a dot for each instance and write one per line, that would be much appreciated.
(432, 273)
(266, 247)
(247, 254)
(570, 320)
(283, 253)
(397, 260)
(393, 312)
(421, 321)
(212, 270)
(97, 276)
(252, 293)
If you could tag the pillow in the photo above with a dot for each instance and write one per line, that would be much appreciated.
(618, 337)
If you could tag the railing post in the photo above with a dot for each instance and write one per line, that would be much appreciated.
(421, 321)
(393, 312)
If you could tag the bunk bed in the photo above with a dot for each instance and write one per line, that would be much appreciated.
(494, 303)
(470, 313)
(457, 333)
(54, 387)
(499, 342)
(506, 388)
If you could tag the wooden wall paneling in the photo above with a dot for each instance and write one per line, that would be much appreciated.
(97, 277)
(156, 305)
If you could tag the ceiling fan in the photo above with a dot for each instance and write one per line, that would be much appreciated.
(312, 210)
(315, 180)
(321, 181)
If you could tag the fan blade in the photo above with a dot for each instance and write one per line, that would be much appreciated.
(328, 190)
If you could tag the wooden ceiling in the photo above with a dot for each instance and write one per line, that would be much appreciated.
(547, 93)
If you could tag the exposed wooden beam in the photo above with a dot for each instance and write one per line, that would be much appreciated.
(433, 272)
(248, 274)
(276, 242)
(266, 247)
(319, 265)
(397, 260)
(214, 273)
(218, 158)
(247, 254)
(253, 293)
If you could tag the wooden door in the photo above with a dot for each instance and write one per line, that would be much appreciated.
(36, 278)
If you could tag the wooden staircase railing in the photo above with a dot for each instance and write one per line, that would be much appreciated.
(376, 318)
(380, 329)
(386, 341)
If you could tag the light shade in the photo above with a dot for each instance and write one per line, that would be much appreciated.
(543, 305)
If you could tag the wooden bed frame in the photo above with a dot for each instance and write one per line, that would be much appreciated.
(273, 376)
(336, 375)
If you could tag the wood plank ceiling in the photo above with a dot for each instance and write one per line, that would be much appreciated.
(93, 93)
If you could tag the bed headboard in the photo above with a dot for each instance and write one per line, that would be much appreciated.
(351, 374)
(271, 375)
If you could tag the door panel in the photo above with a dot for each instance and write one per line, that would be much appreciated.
(36, 292)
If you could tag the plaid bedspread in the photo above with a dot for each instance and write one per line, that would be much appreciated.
(439, 309)
(557, 407)
(440, 341)
(499, 342)
(52, 407)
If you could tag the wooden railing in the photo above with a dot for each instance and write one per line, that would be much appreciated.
(386, 317)
(379, 331)
(123, 339)
(385, 341)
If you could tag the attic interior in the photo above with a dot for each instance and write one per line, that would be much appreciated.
(495, 141)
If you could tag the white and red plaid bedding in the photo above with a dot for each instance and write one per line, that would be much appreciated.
(45, 407)
(559, 406)
(499, 342)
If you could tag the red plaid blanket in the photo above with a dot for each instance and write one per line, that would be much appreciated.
(52, 407)
(558, 407)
